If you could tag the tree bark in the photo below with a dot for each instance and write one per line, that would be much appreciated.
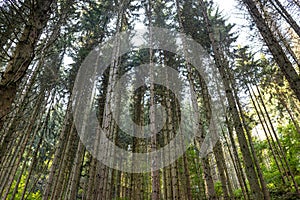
(278, 142)
(280, 57)
(283, 12)
(23, 56)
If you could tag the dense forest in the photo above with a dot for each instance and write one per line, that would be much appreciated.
(149, 99)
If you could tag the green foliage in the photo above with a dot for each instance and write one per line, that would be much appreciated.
(33, 195)
(218, 188)
(289, 139)
(238, 194)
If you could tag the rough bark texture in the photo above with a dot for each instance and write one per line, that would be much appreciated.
(23, 55)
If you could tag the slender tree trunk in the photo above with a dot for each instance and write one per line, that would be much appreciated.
(296, 2)
(34, 159)
(58, 153)
(19, 179)
(218, 155)
(64, 169)
(278, 142)
(201, 185)
(266, 134)
(255, 160)
(187, 177)
(283, 102)
(22, 56)
(287, 46)
(23, 145)
(250, 169)
(75, 175)
(283, 12)
(236, 162)
(283, 62)
(154, 172)
(172, 181)
(199, 136)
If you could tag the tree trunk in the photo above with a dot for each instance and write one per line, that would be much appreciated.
(250, 170)
(236, 161)
(218, 152)
(278, 142)
(58, 153)
(75, 175)
(255, 160)
(283, 12)
(266, 134)
(22, 56)
(283, 62)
